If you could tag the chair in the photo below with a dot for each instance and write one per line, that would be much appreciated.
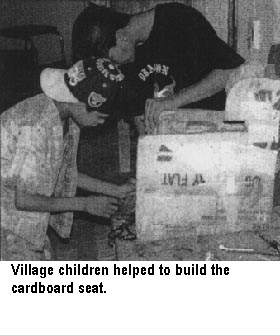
(22, 64)
(28, 32)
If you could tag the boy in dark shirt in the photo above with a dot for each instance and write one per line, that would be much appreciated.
(173, 41)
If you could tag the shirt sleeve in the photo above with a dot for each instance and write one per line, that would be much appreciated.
(193, 34)
(32, 161)
(222, 56)
(218, 53)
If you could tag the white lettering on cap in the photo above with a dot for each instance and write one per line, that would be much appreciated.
(76, 73)
(109, 70)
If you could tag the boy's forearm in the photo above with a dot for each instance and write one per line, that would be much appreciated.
(210, 85)
(36, 203)
(97, 186)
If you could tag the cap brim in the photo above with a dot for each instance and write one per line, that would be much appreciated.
(53, 85)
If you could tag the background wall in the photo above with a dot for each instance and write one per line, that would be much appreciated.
(276, 21)
(60, 13)
(248, 11)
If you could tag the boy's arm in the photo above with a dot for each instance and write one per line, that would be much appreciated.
(95, 205)
(37, 203)
(213, 83)
(97, 186)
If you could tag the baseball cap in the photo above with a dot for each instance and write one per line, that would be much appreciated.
(93, 81)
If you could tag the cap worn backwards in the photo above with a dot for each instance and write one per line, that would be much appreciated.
(93, 81)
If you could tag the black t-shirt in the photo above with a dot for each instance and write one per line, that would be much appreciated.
(182, 49)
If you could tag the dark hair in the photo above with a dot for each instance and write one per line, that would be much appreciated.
(107, 21)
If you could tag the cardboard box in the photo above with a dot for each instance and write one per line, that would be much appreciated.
(204, 182)
(262, 127)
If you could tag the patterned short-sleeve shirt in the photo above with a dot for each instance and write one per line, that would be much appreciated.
(37, 159)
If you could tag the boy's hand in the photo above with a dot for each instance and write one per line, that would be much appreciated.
(153, 109)
(79, 113)
(101, 206)
(126, 190)
(123, 191)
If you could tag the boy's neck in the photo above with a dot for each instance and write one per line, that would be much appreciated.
(141, 25)
(63, 110)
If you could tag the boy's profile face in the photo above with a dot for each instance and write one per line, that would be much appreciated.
(124, 50)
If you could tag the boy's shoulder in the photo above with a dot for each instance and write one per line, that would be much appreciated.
(31, 112)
